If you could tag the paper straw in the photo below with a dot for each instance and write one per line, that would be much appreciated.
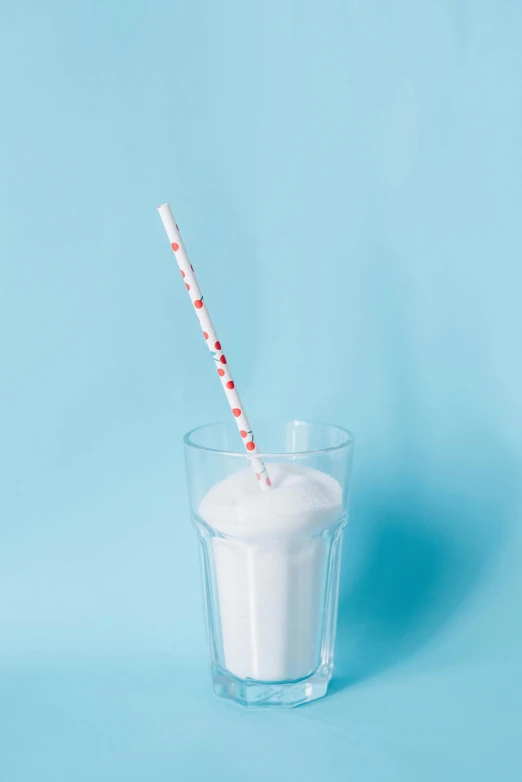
(213, 342)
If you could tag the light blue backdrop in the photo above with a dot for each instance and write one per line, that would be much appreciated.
(348, 178)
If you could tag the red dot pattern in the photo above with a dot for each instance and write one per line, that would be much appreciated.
(237, 412)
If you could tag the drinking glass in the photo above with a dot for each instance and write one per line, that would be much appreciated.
(271, 590)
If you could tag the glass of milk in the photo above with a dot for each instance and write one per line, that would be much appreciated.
(271, 559)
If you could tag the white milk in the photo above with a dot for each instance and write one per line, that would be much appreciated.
(271, 568)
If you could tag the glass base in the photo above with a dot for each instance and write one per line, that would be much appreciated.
(257, 694)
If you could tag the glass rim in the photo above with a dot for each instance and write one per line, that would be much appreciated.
(348, 441)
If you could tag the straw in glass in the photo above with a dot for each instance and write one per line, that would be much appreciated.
(214, 344)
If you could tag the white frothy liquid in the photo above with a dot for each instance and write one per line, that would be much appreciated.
(271, 568)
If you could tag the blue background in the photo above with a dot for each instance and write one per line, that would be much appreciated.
(347, 176)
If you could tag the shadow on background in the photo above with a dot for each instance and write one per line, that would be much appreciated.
(411, 558)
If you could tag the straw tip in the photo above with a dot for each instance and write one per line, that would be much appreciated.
(162, 205)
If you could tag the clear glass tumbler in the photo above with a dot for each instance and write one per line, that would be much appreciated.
(271, 559)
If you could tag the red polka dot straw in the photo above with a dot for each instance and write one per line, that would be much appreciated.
(213, 343)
